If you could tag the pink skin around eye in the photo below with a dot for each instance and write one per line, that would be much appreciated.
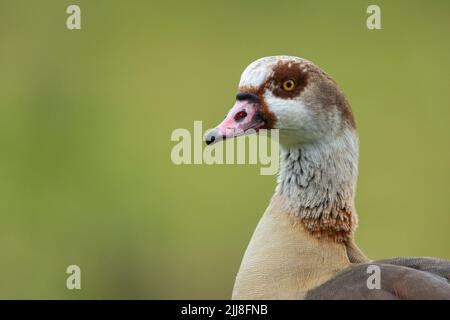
(242, 116)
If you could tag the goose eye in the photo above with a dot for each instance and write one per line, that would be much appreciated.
(288, 85)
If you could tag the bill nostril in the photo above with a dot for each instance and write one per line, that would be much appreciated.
(240, 115)
(212, 137)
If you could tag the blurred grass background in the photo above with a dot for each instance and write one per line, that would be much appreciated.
(86, 118)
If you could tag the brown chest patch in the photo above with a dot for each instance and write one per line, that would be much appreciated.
(337, 226)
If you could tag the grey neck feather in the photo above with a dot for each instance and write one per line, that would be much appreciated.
(317, 180)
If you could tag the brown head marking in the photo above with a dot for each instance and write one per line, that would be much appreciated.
(331, 94)
(268, 116)
(284, 71)
(323, 89)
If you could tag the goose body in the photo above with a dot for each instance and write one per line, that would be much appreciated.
(303, 246)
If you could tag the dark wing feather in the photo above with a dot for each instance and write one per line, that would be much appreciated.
(440, 267)
(401, 279)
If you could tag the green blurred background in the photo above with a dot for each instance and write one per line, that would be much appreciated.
(86, 118)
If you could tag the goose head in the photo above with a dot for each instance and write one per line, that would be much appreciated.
(290, 94)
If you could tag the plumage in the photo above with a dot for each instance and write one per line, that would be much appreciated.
(401, 279)
(303, 247)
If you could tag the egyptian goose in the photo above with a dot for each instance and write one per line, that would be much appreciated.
(303, 246)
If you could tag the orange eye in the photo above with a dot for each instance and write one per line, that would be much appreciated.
(288, 85)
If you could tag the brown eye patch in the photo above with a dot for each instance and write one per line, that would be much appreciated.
(288, 79)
